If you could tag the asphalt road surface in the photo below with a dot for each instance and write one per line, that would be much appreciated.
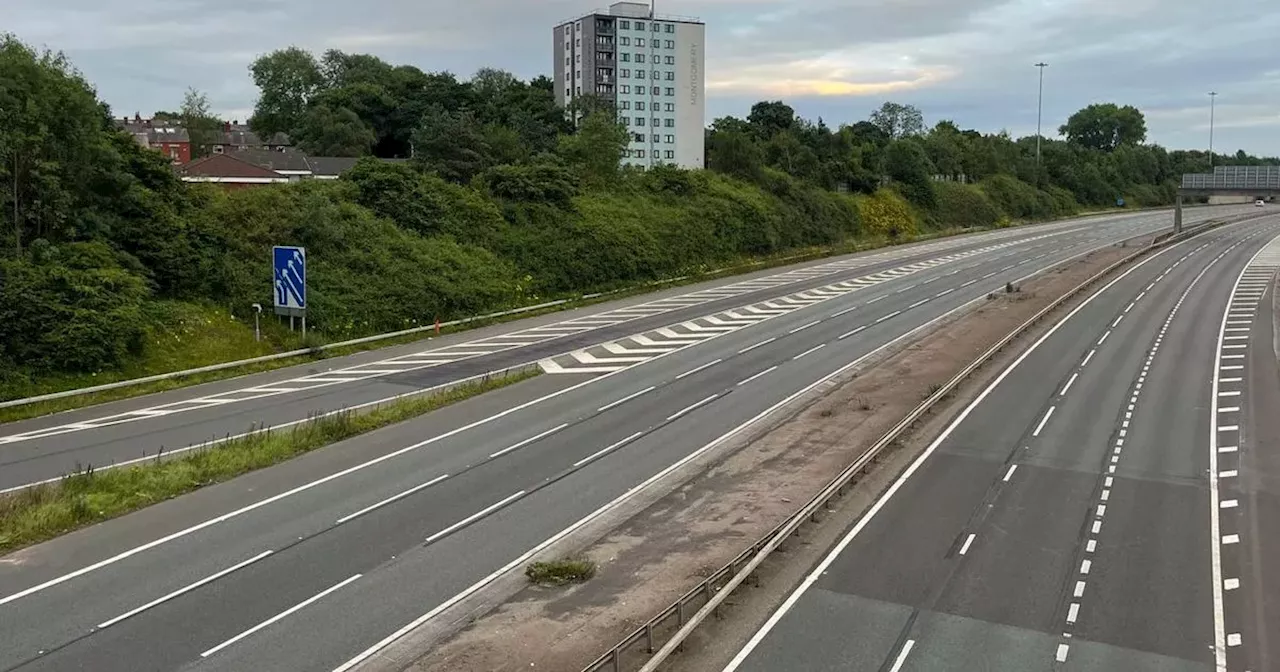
(1103, 505)
(136, 429)
(309, 564)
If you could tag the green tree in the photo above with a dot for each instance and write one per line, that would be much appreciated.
(907, 165)
(325, 131)
(1106, 127)
(898, 121)
(451, 144)
(287, 79)
(595, 150)
(201, 126)
(769, 118)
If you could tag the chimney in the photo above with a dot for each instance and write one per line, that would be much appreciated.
(137, 117)
(226, 126)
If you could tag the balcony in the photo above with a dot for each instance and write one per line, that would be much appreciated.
(604, 27)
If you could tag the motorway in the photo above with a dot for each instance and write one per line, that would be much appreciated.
(132, 430)
(308, 565)
(1104, 504)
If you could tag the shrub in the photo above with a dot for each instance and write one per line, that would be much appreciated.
(963, 205)
(886, 214)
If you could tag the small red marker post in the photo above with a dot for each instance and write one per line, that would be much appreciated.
(437, 326)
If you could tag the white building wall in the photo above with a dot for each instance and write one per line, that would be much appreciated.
(691, 89)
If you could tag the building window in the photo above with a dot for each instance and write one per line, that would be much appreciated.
(671, 27)
(640, 105)
(577, 74)
(624, 41)
(639, 74)
(671, 44)
(639, 41)
(657, 122)
(670, 139)
(670, 92)
(624, 105)
(577, 42)
(625, 73)
(579, 90)
(671, 76)
(639, 58)
(669, 60)
(626, 88)
(578, 26)
(639, 153)
(639, 121)
(625, 121)
(626, 58)
(656, 27)
(637, 137)
(657, 91)
(578, 58)
(625, 25)
(671, 154)
(655, 138)
(668, 107)
(657, 75)
(671, 123)
(639, 25)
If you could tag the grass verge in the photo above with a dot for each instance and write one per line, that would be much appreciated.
(561, 572)
(91, 496)
(284, 341)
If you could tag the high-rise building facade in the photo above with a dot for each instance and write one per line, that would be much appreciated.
(650, 67)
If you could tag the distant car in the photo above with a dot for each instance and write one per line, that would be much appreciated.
(1258, 203)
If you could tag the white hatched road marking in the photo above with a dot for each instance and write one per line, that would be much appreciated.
(495, 344)
(1225, 462)
(667, 339)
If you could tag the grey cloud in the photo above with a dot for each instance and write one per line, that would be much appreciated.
(1161, 55)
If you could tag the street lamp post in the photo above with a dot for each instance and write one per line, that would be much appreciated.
(1213, 98)
(1039, 115)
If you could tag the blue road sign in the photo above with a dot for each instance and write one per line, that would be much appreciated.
(290, 278)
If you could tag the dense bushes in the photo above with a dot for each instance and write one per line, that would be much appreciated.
(495, 201)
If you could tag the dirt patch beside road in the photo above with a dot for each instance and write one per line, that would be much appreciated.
(658, 555)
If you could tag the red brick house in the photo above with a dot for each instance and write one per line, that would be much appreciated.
(165, 136)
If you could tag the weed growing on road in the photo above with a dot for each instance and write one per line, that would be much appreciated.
(561, 572)
(89, 496)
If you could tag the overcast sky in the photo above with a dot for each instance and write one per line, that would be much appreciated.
(966, 60)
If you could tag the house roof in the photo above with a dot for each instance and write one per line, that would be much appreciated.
(288, 160)
(330, 166)
(227, 166)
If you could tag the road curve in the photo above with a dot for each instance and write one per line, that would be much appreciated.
(136, 429)
(308, 564)
(1076, 515)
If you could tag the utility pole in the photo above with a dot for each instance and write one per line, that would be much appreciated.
(1039, 114)
(1213, 98)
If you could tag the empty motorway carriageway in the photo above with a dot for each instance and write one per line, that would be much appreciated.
(1111, 501)
(310, 564)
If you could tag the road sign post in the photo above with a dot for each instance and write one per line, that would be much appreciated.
(289, 280)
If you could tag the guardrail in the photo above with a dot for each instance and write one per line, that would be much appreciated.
(711, 274)
(223, 366)
(713, 590)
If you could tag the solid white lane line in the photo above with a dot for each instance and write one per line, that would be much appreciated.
(902, 656)
(1048, 414)
(762, 373)
(1066, 387)
(615, 404)
(816, 573)
(847, 334)
(181, 591)
(278, 617)
(1009, 474)
(423, 486)
(967, 542)
(809, 351)
(700, 368)
(753, 347)
(475, 516)
(693, 406)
